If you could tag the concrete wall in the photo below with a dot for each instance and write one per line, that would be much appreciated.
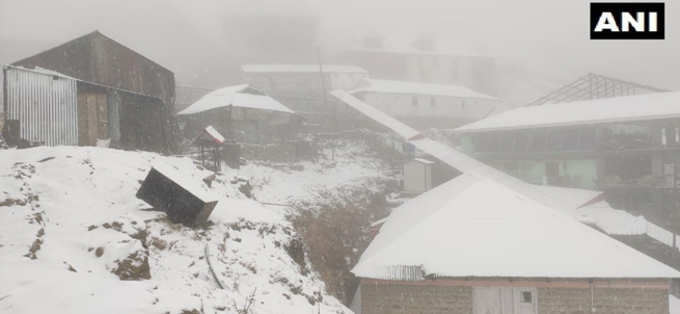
(553, 297)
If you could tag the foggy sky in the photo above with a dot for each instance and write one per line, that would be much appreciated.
(203, 41)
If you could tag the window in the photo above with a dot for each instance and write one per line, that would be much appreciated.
(526, 297)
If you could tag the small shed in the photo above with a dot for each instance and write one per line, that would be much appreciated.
(183, 200)
(210, 142)
(241, 113)
(417, 176)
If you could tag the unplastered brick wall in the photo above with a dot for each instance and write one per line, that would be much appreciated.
(604, 300)
(553, 297)
(404, 298)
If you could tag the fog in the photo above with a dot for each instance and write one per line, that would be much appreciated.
(204, 42)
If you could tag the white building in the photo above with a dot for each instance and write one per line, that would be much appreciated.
(425, 105)
(462, 68)
(300, 86)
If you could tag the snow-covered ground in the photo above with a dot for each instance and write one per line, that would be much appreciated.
(349, 164)
(71, 228)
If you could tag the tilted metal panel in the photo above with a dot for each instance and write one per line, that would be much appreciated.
(46, 106)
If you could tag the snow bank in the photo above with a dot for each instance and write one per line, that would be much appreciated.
(71, 228)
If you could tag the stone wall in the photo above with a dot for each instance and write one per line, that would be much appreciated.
(553, 297)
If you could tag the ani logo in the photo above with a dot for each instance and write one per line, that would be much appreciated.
(627, 20)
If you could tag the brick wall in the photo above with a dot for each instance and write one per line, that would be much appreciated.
(406, 299)
(553, 297)
(605, 300)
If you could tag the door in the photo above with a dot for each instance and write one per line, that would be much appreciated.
(102, 117)
(525, 300)
(504, 300)
(93, 120)
(487, 300)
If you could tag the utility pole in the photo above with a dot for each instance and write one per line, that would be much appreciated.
(324, 91)
(324, 88)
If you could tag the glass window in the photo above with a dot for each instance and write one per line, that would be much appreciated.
(527, 297)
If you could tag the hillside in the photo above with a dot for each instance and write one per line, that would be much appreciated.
(75, 239)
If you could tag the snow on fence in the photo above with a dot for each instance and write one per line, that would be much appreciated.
(404, 272)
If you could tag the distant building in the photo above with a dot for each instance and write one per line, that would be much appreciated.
(475, 245)
(473, 71)
(626, 146)
(301, 87)
(426, 105)
(87, 91)
(187, 95)
(242, 114)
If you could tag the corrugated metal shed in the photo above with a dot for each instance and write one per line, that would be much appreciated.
(45, 105)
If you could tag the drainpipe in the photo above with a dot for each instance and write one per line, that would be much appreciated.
(592, 297)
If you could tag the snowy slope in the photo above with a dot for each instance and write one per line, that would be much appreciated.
(71, 229)
(349, 164)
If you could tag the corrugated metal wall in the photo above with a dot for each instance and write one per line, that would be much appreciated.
(46, 106)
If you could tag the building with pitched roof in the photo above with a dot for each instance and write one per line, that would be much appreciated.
(89, 90)
(474, 245)
(304, 87)
(427, 105)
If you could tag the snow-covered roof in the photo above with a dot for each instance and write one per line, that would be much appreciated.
(191, 185)
(424, 161)
(553, 197)
(269, 68)
(418, 88)
(459, 230)
(519, 232)
(40, 70)
(214, 134)
(241, 96)
(613, 109)
(401, 129)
